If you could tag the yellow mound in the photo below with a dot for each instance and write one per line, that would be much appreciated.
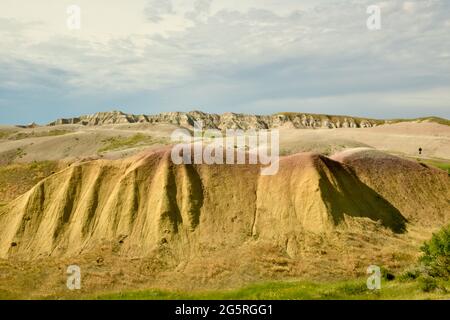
(143, 204)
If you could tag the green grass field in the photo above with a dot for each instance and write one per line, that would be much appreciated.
(292, 290)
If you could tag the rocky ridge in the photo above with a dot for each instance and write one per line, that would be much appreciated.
(224, 121)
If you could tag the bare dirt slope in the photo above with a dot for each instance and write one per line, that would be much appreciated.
(402, 138)
(148, 201)
(415, 189)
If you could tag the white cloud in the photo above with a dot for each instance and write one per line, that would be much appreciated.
(268, 47)
(156, 10)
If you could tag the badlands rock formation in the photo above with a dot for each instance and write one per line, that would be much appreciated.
(224, 121)
(145, 203)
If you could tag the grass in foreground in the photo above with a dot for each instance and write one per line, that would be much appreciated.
(291, 290)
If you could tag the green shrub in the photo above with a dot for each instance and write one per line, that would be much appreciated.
(427, 283)
(436, 254)
(410, 274)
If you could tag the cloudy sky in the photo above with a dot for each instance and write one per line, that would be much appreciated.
(251, 56)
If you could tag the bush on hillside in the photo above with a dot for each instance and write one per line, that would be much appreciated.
(436, 254)
(428, 284)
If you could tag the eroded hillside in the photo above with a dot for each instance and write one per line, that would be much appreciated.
(143, 203)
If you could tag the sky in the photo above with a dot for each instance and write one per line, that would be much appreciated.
(245, 56)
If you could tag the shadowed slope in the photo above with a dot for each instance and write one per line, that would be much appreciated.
(421, 193)
(313, 193)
